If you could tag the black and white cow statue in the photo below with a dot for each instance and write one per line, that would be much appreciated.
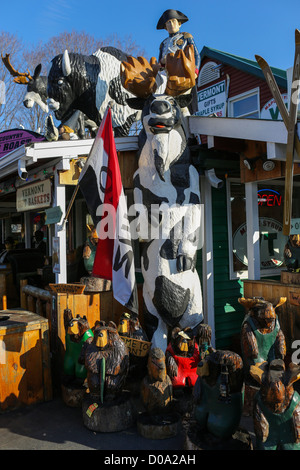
(167, 197)
(89, 84)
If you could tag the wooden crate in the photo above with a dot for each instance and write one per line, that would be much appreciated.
(288, 313)
(95, 306)
(25, 373)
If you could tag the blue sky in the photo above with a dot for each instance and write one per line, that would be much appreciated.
(244, 28)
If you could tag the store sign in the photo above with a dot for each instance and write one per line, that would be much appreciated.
(212, 100)
(271, 111)
(15, 138)
(269, 197)
(272, 243)
(34, 196)
(53, 215)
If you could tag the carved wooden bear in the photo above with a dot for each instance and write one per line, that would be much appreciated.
(182, 358)
(276, 406)
(156, 389)
(218, 393)
(78, 332)
(106, 359)
(261, 336)
(130, 327)
(203, 338)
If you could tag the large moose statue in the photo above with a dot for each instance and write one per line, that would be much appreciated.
(36, 93)
(166, 194)
(89, 84)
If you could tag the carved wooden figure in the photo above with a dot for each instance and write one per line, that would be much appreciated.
(218, 393)
(107, 407)
(130, 327)
(106, 359)
(261, 340)
(182, 358)
(261, 336)
(167, 195)
(89, 250)
(78, 332)
(292, 253)
(159, 421)
(156, 389)
(203, 338)
(277, 406)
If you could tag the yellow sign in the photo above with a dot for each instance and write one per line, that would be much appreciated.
(67, 288)
(137, 347)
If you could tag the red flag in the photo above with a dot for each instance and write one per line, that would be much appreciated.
(101, 184)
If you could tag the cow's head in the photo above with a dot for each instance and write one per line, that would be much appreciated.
(36, 85)
(160, 100)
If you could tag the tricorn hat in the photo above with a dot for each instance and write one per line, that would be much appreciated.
(168, 15)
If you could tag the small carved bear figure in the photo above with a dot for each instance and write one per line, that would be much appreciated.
(77, 333)
(276, 406)
(182, 358)
(130, 327)
(106, 359)
(156, 388)
(218, 394)
(292, 253)
(203, 338)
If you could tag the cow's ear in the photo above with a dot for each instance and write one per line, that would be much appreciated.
(136, 103)
(184, 100)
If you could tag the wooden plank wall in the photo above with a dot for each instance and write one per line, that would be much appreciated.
(228, 312)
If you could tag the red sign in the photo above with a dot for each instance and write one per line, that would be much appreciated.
(269, 197)
(15, 138)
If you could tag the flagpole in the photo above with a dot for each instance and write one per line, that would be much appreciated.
(109, 106)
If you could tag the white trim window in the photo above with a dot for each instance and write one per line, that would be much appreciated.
(270, 215)
(246, 105)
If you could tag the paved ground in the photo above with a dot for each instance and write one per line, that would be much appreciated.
(55, 426)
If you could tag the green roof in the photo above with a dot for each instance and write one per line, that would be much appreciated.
(246, 65)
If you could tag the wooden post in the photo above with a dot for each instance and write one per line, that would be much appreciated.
(4, 302)
(253, 249)
(60, 230)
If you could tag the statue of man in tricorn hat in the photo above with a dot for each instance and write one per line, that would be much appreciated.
(171, 20)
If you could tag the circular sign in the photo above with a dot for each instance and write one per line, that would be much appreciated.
(272, 243)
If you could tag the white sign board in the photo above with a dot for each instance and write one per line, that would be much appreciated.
(34, 196)
(212, 100)
(295, 227)
(270, 109)
(272, 243)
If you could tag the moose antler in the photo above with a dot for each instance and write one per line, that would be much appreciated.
(20, 77)
(181, 71)
(138, 76)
